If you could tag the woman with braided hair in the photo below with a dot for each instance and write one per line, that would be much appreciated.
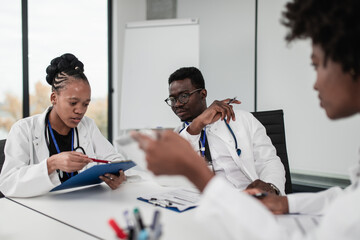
(44, 150)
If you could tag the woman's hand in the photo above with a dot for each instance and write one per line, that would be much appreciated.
(67, 162)
(112, 180)
(171, 154)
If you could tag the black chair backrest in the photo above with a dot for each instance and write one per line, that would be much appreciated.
(2, 154)
(273, 121)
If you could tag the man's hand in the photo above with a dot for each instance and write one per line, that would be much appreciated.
(217, 110)
(265, 187)
(276, 204)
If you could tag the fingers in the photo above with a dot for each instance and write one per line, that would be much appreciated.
(142, 139)
(114, 181)
(252, 191)
(70, 161)
(225, 109)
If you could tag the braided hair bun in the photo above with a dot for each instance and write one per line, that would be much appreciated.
(60, 68)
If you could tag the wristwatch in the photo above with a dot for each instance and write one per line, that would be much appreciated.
(277, 191)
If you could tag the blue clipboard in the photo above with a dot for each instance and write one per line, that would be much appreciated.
(167, 207)
(91, 175)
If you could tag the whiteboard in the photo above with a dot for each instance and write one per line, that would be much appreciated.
(152, 51)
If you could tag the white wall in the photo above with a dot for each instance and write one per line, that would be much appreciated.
(123, 11)
(315, 144)
(227, 42)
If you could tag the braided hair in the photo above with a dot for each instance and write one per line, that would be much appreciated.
(62, 68)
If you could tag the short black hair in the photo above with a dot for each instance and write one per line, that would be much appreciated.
(192, 73)
(332, 24)
(63, 67)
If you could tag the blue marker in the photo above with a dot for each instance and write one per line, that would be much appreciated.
(155, 220)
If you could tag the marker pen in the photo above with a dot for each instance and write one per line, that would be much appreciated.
(231, 100)
(138, 218)
(119, 232)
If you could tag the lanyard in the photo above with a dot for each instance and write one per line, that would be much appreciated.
(55, 142)
(202, 143)
(202, 140)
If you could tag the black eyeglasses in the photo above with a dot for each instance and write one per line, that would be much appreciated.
(183, 98)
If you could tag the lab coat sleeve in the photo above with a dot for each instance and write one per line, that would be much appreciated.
(230, 214)
(18, 177)
(312, 203)
(342, 219)
(268, 165)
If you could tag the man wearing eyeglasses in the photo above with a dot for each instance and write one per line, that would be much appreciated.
(234, 143)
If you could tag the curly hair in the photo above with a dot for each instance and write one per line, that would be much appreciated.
(194, 74)
(63, 67)
(332, 24)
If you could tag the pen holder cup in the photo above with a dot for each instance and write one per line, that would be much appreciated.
(148, 233)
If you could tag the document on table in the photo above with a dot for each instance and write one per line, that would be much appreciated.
(178, 200)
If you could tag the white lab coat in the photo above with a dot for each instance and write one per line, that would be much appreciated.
(258, 159)
(230, 214)
(25, 174)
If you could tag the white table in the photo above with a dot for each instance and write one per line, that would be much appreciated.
(84, 214)
(19, 222)
(89, 210)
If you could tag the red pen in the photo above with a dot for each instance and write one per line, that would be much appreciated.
(119, 232)
(99, 161)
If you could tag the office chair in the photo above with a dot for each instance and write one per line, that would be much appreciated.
(273, 122)
(2, 154)
(2, 157)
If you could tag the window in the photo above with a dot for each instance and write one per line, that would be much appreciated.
(69, 26)
(10, 65)
(54, 28)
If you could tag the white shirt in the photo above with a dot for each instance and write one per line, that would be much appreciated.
(258, 159)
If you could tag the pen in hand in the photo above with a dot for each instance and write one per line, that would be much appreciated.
(231, 100)
(99, 161)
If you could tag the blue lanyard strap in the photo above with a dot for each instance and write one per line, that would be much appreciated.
(238, 150)
(201, 141)
(55, 142)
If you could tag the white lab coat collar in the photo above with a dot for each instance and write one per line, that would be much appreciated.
(41, 150)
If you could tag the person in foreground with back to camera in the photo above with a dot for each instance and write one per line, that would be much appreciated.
(44, 150)
(334, 28)
(238, 150)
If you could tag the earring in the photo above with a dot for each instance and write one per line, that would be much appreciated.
(352, 72)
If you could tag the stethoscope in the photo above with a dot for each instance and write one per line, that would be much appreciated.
(48, 126)
(202, 140)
